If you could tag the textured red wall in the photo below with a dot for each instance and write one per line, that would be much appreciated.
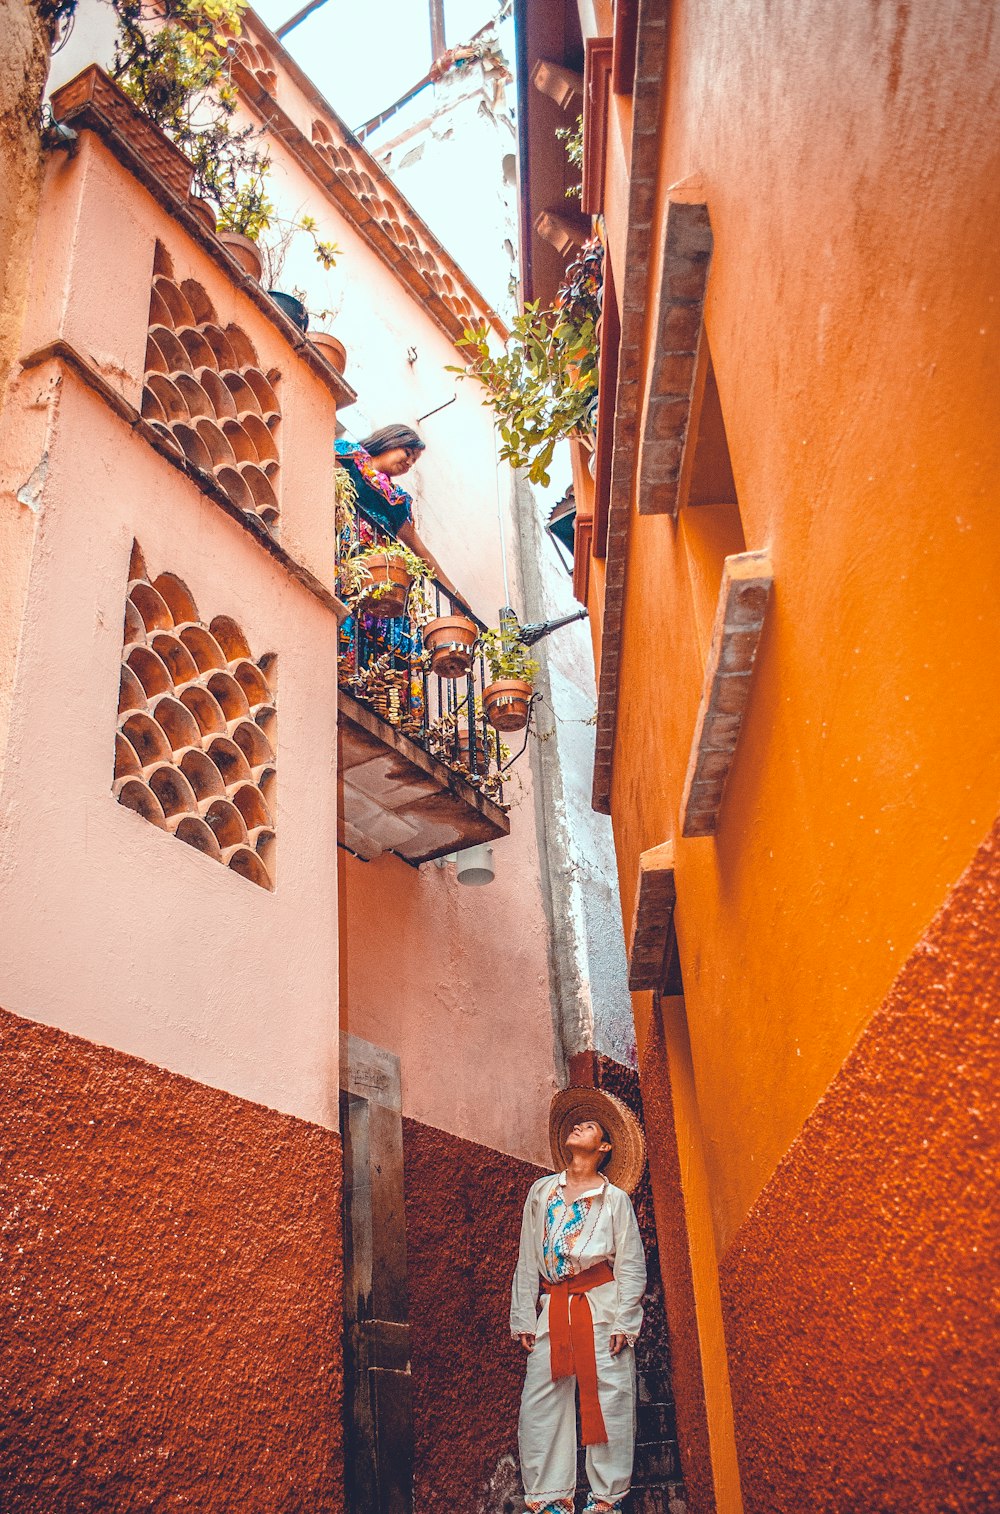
(170, 1306)
(862, 1350)
(463, 1221)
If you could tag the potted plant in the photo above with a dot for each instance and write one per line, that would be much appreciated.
(204, 210)
(465, 749)
(275, 251)
(543, 387)
(378, 579)
(176, 70)
(451, 641)
(507, 698)
(244, 217)
(292, 306)
(449, 739)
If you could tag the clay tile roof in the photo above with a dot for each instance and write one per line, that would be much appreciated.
(362, 190)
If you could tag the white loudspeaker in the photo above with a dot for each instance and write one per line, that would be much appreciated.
(475, 866)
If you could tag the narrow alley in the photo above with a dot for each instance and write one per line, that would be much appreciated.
(499, 867)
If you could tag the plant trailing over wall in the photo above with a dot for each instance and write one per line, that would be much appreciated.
(572, 137)
(345, 499)
(543, 387)
(172, 58)
(507, 657)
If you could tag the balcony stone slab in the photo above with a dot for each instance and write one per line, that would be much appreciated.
(652, 949)
(739, 622)
(395, 797)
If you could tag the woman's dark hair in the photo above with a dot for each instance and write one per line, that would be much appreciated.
(606, 1158)
(388, 437)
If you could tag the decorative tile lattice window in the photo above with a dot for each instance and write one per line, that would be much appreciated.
(195, 748)
(206, 394)
(259, 62)
(350, 169)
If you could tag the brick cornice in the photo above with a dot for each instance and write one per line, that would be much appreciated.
(649, 85)
(361, 189)
(94, 102)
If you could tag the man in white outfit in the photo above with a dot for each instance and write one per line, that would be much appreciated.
(581, 1249)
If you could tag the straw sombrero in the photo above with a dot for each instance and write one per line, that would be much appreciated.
(628, 1148)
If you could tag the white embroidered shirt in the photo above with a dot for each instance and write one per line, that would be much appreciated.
(559, 1240)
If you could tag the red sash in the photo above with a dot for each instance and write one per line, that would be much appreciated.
(571, 1343)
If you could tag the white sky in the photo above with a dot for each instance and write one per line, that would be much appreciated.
(362, 57)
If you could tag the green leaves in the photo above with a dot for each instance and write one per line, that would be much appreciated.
(507, 658)
(541, 388)
(178, 74)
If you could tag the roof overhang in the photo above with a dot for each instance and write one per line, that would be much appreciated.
(549, 63)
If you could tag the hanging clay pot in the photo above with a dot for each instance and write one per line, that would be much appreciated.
(390, 583)
(331, 348)
(507, 703)
(450, 640)
(245, 251)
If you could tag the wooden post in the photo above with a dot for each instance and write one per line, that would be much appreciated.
(379, 1475)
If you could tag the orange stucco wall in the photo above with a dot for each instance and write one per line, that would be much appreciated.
(856, 1296)
(851, 311)
(852, 319)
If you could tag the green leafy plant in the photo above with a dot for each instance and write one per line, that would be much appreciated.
(572, 137)
(327, 253)
(543, 387)
(507, 657)
(173, 61)
(172, 58)
(249, 211)
(345, 500)
(356, 577)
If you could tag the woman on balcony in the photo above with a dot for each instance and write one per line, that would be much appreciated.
(373, 465)
(380, 655)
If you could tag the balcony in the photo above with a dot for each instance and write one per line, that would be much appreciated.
(247, 425)
(421, 769)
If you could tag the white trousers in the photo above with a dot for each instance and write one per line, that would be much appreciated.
(546, 1431)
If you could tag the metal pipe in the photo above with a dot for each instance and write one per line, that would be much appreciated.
(438, 43)
(533, 632)
(299, 16)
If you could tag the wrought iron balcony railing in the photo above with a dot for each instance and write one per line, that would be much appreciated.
(386, 663)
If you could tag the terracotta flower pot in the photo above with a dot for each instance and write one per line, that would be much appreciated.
(245, 251)
(331, 348)
(450, 640)
(389, 586)
(203, 211)
(507, 703)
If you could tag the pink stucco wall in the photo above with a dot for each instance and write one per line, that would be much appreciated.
(455, 980)
(126, 936)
